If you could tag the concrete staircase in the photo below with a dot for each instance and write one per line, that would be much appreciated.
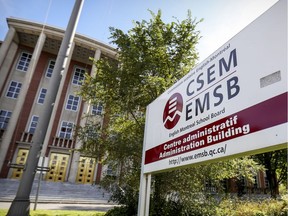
(58, 192)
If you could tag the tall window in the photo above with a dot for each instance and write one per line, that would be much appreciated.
(14, 89)
(4, 118)
(97, 109)
(24, 61)
(42, 95)
(33, 124)
(66, 130)
(50, 68)
(72, 102)
(78, 76)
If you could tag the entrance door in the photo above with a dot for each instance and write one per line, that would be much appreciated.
(58, 165)
(21, 159)
(86, 169)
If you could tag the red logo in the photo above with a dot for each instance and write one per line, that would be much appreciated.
(172, 111)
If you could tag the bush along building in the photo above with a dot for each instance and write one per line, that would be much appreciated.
(23, 87)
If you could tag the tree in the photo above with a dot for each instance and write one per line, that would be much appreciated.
(275, 163)
(151, 57)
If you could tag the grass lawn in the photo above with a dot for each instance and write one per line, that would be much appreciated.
(3, 212)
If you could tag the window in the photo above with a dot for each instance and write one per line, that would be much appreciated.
(97, 109)
(42, 95)
(72, 103)
(50, 68)
(4, 118)
(78, 76)
(33, 124)
(24, 61)
(14, 89)
(110, 171)
(91, 131)
(66, 130)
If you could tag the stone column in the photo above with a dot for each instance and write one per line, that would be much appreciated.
(86, 110)
(7, 136)
(57, 100)
(6, 44)
(3, 53)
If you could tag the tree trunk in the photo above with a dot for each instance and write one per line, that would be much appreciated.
(271, 176)
(273, 184)
(240, 187)
(158, 202)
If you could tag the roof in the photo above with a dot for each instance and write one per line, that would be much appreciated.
(28, 33)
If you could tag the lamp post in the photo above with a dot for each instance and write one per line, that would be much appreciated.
(21, 203)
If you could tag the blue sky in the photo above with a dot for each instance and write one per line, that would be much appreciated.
(222, 18)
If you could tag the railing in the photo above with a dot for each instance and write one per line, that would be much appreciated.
(62, 143)
(26, 137)
(57, 141)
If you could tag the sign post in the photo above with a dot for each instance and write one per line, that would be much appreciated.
(145, 181)
(234, 103)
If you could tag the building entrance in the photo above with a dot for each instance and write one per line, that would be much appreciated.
(58, 166)
(85, 171)
(20, 160)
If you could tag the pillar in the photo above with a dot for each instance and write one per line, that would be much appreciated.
(6, 44)
(7, 136)
(57, 100)
(4, 50)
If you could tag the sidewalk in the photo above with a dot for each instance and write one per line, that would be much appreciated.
(57, 192)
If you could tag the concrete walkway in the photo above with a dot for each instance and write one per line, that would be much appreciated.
(64, 206)
(57, 192)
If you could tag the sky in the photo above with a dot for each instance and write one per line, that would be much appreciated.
(222, 18)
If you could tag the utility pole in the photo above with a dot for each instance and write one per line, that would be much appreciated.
(21, 203)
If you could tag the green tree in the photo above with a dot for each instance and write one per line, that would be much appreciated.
(275, 163)
(151, 57)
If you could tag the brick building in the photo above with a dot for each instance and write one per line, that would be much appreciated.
(23, 87)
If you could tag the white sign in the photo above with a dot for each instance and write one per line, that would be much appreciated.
(233, 103)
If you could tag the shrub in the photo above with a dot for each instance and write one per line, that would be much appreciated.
(118, 211)
(268, 207)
